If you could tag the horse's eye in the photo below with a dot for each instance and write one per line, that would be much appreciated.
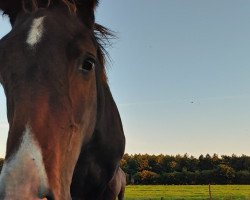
(88, 64)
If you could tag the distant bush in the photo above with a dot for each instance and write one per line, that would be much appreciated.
(146, 177)
(242, 177)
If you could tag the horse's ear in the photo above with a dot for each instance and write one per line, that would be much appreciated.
(86, 10)
(10, 8)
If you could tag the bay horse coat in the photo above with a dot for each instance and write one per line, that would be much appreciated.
(66, 138)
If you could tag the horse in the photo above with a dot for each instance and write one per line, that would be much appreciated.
(116, 187)
(65, 138)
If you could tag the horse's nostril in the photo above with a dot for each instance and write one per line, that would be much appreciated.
(49, 197)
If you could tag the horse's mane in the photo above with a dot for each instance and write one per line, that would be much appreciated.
(32, 5)
(102, 35)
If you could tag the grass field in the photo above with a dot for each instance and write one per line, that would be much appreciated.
(189, 192)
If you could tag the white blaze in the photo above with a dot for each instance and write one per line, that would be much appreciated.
(36, 32)
(24, 172)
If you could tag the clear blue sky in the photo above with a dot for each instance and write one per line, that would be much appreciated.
(180, 74)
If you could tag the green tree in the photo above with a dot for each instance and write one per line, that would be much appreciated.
(224, 174)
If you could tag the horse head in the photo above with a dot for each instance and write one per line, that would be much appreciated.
(51, 64)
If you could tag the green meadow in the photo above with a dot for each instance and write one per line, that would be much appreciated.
(189, 192)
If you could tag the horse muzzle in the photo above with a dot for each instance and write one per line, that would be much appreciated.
(22, 178)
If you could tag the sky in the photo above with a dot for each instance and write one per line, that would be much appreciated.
(179, 73)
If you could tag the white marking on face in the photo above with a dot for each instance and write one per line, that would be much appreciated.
(36, 32)
(24, 173)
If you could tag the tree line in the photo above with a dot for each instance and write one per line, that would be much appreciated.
(184, 169)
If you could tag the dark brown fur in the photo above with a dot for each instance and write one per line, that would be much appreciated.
(116, 187)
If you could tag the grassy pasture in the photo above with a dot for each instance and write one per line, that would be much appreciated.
(189, 192)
